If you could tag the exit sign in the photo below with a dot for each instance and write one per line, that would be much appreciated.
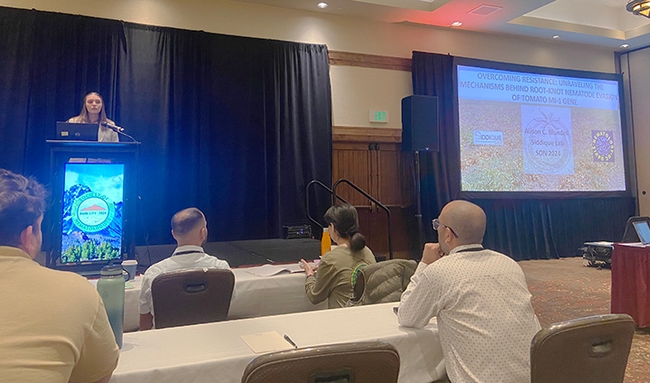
(379, 116)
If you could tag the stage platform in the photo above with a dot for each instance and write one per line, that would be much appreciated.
(240, 253)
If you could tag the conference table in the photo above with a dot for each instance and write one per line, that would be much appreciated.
(256, 294)
(631, 282)
(216, 352)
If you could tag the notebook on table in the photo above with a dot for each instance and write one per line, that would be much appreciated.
(77, 132)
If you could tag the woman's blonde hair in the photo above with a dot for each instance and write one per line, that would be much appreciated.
(83, 116)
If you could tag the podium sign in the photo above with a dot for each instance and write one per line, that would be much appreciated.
(93, 187)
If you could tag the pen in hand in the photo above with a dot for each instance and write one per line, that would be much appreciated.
(286, 337)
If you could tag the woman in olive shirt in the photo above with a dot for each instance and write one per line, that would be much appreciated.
(332, 278)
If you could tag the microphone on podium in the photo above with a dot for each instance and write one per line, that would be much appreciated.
(113, 126)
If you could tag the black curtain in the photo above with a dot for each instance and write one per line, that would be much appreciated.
(234, 126)
(520, 228)
(49, 62)
(432, 76)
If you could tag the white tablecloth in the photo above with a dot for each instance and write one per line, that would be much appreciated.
(278, 294)
(214, 352)
(256, 296)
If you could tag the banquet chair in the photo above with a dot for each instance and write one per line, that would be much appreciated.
(359, 362)
(382, 282)
(630, 234)
(194, 296)
(583, 350)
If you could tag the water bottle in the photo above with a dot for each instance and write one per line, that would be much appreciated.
(325, 242)
(111, 288)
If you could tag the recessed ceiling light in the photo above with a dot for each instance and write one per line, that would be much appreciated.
(322, 5)
(556, 36)
(625, 45)
(456, 24)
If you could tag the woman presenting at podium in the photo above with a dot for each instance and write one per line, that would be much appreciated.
(92, 112)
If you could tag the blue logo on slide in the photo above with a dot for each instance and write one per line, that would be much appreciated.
(488, 137)
(602, 145)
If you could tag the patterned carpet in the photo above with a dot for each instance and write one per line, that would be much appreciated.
(566, 289)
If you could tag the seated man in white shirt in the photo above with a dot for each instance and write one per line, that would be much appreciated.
(190, 230)
(479, 297)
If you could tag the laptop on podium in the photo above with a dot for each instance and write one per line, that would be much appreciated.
(76, 132)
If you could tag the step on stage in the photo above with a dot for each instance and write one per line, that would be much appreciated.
(240, 253)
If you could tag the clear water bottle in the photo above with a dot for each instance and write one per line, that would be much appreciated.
(325, 242)
(111, 288)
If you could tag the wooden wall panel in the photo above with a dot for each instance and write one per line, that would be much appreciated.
(373, 225)
(390, 178)
(372, 159)
(352, 164)
(369, 61)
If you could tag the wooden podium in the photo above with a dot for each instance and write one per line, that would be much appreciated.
(630, 287)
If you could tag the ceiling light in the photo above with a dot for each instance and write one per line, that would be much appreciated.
(456, 24)
(639, 7)
(322, 5)
(556, 36)
(625, 45)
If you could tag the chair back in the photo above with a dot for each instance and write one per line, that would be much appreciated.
(584, 350)
(360, 362)
(382, 282)
(630, 234)
(187, 297)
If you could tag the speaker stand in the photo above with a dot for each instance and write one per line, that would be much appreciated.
(418, 212)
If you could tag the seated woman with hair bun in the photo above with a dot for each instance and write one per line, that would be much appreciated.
(332, 278)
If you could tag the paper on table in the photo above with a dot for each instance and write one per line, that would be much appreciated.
(600, 243)
(264, 342)
(634, 244)
(269, 270)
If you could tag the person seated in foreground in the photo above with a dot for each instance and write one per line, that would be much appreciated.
(332, 278)
(190, 230)
(53, 324)
(480, 298)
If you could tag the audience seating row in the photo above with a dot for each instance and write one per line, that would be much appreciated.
(584, 350)
(578, 351)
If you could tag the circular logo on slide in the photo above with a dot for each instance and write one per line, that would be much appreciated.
(92, 212)
(602, 145)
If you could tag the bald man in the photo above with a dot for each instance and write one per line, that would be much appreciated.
(190, 230)
(479, 297)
